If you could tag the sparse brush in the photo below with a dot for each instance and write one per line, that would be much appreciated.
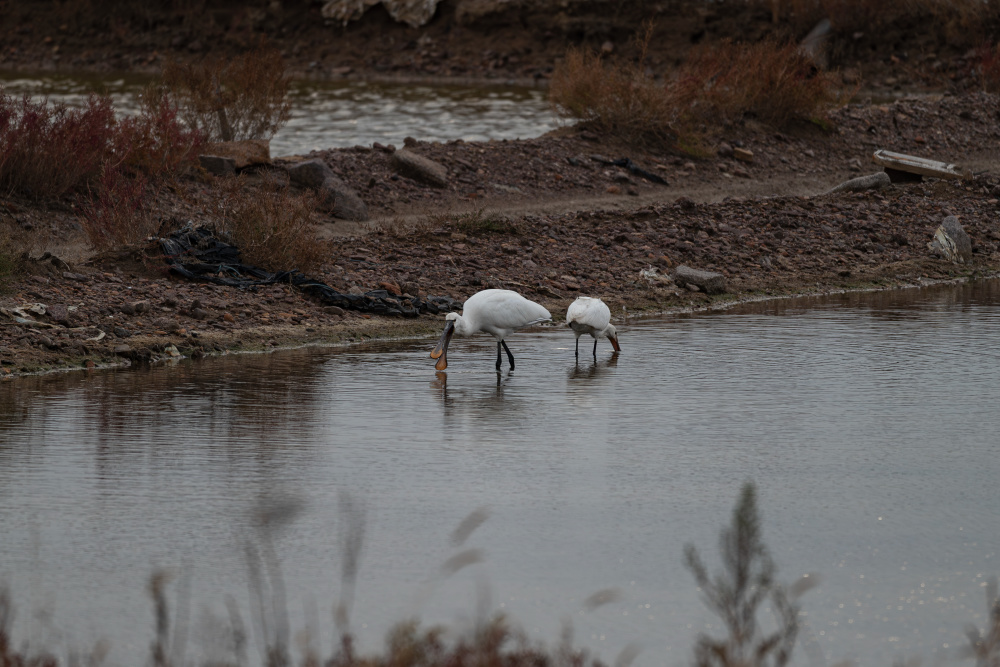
(736, 594)
(272, 225)
(228, 100)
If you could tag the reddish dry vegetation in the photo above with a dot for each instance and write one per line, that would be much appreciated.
(717, 87)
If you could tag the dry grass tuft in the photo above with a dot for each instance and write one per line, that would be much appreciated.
(272, 225)
(243, 98)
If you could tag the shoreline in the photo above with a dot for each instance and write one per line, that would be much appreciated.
(388, 330)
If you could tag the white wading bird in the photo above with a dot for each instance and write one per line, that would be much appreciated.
(591, 316)
(499, 312)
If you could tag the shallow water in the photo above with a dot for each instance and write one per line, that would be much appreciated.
(332, 115)
(868, 422)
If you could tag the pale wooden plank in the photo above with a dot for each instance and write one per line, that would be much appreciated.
(917, 165)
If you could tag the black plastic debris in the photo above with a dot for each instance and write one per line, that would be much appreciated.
(632, 167)
(197, 254)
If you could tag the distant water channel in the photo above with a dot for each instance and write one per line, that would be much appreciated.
(869, 423)
(327, 115)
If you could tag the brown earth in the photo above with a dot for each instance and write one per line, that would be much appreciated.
(541, 216)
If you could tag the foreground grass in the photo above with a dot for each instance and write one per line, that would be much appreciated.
(735, 594)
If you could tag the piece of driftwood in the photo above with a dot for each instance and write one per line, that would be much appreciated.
(901, 167)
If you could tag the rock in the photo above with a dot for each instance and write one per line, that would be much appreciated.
(951, 242)
(167, 324)
(140, 306)
(59, 314)
(310, 174)
(333, 310)
(653, 276)
(814, 45)
(122, 332)
(199, 313)
(419, 168)
(218, 165)
(413, 13)
(743, 154)
(335, 195)
(342, 201)
(875, 181)
(79, 277)
(123, 350)
(390, 287)
(127, 308)
(171, 350)
(724, 150)
(708, 281)
(246, 153)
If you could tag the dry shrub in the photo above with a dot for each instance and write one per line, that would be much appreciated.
(614, 97)
(771, 82)
(116, 213)
(228, 100)
(719, 85)
(272, 226)
(156, 142)
(987, 64)
(48, 150)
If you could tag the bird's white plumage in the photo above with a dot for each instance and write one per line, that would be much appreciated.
(499, 312)
(588, 315)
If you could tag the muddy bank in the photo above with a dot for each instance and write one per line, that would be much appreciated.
(551, 218)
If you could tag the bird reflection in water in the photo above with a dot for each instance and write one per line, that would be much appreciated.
(592, 370)
(481, 400)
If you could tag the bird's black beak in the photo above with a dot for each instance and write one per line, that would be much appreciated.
(614, 343)
(441, 349)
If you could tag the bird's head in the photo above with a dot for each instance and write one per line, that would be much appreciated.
(612, 335)
(440, 351)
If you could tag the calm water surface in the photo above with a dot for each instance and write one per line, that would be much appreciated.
(868, 422)
(326, 115)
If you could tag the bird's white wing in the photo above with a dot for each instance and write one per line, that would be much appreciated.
(592, 312)
(510, 310)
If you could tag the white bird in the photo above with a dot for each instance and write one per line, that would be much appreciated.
(499, 312)
(588, 315)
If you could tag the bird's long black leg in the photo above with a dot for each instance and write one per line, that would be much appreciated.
(577, 347)
(510, 357)
(499, 357)
(595, 348)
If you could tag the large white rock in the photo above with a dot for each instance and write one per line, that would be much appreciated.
(414, 13)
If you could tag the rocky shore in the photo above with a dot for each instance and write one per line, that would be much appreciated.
(552, 218)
